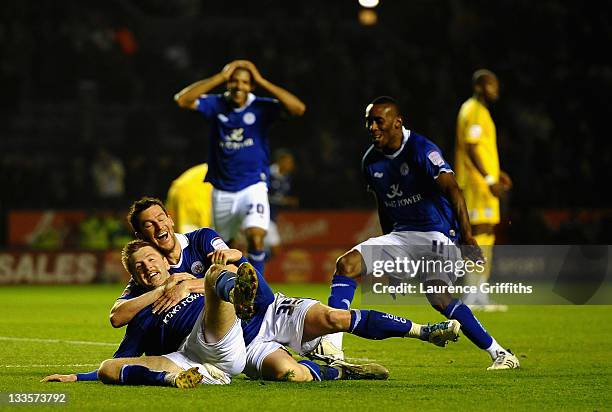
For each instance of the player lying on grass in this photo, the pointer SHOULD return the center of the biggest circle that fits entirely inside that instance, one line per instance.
(214, 364)
(423, 216)
(214, 349)
(188, 253)
(280, 362)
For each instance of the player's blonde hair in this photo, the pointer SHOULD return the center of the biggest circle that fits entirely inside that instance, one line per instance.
(129, 249)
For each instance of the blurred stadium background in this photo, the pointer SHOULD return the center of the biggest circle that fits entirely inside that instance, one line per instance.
(82, 80)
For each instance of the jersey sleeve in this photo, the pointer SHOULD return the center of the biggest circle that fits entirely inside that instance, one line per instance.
(365, 173)
(206, 240)
(208, 105)
(474, 127)
(431, 161)
(132, 290)
(133, 342)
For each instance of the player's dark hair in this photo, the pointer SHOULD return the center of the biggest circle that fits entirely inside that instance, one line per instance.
(481, 75)
(248, 71)
(389, 101)
(129, 249)
(140, 205)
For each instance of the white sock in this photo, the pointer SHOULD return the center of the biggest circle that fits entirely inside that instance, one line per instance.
(494, 349)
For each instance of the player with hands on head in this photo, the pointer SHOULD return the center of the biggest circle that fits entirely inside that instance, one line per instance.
(238, 155)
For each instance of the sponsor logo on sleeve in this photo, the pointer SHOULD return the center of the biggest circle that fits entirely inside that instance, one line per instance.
(218, 244)
(436, 158)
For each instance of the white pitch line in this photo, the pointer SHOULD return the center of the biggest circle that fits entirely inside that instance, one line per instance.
(72, 342)
(74, 365)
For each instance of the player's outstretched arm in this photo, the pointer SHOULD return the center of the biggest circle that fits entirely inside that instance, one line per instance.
(72, 377)
(56, 377)
(188, 97)
(293, 105)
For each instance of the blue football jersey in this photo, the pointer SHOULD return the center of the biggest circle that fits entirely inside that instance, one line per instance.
(405, 187)
(159, 334)
(238, 153)
(195, 246)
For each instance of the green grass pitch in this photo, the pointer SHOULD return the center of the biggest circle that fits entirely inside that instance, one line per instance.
(565, 351)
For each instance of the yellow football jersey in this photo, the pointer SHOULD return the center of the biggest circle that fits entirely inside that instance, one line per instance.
(475, 126)
(189, 200)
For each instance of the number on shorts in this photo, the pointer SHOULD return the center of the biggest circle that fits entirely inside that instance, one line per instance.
(287, 306)
(259, 208)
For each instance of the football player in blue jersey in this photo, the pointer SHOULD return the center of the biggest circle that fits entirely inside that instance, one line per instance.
(208, 336)
(238, 155)
(423, 217)
(274, 321)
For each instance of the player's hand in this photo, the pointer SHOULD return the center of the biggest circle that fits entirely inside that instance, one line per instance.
(470, 250)
(250, 66)
(497, 189)
(228, 69)
(223, 256)
(60, 378)
(177, 278)
(505, 180)
(171, 297)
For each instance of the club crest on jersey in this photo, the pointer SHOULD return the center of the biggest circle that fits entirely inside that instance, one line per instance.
(404, 169)
(197, 267)
(218, 244)
(249, 118)
(435, 158)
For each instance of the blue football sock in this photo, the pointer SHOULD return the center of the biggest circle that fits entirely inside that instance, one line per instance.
(470, 326)
(371, 324)
(225, 283)
(141, 375)
(321, 372)
(342, 292)
(88, 376)
(257, 258)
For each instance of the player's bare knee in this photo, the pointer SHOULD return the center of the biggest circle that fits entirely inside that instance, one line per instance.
(108, 372)
(349, 264)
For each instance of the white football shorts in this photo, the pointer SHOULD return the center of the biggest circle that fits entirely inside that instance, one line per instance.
(432, 255)
(228, 355)
(246, 208)
(283, 325)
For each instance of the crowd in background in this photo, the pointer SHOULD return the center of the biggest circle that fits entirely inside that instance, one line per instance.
(91, 82)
